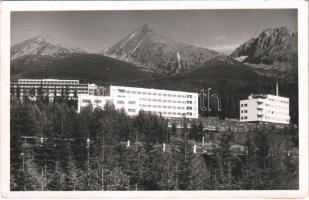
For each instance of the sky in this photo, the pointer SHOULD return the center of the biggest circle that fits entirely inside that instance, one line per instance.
(94, 31)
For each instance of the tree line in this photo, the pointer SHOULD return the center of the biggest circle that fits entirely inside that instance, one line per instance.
(55, 148)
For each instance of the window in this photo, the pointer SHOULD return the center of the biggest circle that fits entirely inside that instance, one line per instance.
(138, 92)
(189, 96)
(246, 111)
(86, 101)
(97, 101)
(120, 102)
(246, 117)
(164, 95)
(245, 105)
(189, 108)
(241, 105)
(131, 110)
(241, 118)
(189, 102)
(149, 93)
(131, 102)
(242, 111)
(121, 90)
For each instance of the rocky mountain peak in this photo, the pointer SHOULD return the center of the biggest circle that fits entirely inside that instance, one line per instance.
(41, 45)
(153, 52)
(273, 45)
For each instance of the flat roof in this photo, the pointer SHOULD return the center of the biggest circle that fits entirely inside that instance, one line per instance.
(153, 89)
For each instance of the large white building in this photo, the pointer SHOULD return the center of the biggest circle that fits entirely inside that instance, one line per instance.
(51, 88)
(168, 103)
(265, 108)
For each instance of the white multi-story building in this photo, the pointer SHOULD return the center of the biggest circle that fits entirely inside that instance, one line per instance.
(265, 108)
(51, 88)
(168, 103)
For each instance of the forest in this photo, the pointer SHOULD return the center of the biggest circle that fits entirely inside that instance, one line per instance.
(54, 148)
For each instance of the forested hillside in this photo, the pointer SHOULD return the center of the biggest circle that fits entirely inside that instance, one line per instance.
(66, 150)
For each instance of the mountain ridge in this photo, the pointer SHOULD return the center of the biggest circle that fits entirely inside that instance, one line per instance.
(155, 53)
(271, 46)
(41, 45)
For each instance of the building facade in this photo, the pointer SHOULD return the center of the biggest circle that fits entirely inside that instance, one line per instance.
(265, 108)
(168, 103)
(51, 88)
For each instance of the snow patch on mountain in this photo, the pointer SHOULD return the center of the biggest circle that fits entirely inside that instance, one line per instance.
(138, 44)
(241, 58)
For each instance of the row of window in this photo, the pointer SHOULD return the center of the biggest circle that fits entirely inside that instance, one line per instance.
(172, 113)
(96, 101)
(276, 119)
(275, 106)
(277, 113)
(50, 87)
(154, 93)
(166, 107)
(243, 105)
(164, 100)
(245, 117)
(278, 101)
(50, 82)
(244, 111)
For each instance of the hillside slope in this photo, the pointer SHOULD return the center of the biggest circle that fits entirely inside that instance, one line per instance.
(84, 67)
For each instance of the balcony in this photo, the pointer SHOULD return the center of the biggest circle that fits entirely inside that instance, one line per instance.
(260, 115)
(259, 102)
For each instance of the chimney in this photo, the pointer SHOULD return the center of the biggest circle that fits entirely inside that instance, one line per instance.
(277, 89)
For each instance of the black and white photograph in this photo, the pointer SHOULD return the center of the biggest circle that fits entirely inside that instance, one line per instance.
(154, 100)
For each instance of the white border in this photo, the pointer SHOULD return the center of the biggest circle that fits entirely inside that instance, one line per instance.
(302, 7)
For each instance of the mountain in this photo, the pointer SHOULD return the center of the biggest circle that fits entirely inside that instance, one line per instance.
(82, 66)
(155, 53)
(41, 45)
(274, 48)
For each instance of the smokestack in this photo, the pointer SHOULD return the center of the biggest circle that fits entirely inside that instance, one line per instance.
(277, 89)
